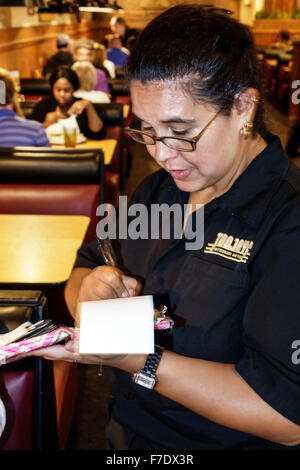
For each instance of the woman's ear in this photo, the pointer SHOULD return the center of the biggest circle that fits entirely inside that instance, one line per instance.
(245, 106)
(246, 103)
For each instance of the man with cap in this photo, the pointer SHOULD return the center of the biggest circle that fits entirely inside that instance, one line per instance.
(63, 56)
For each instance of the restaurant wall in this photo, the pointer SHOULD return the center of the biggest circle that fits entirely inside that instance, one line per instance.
(26, 41)
(266, 31)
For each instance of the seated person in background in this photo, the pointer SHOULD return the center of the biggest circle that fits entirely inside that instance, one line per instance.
(116, 52)
(128, 35)
(101, 62)
(86, 73)
(16, 131)
(63, 56)
(62, 104)
(84, 50)
(283, 41)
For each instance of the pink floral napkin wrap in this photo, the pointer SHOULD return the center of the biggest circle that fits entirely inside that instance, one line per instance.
(14, 351)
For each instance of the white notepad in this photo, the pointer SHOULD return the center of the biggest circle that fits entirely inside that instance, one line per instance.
(117, 326)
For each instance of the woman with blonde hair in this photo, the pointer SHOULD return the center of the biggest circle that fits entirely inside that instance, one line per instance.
(101, 62)
(86, 73)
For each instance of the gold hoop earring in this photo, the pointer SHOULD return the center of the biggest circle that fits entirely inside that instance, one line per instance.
(246, 130)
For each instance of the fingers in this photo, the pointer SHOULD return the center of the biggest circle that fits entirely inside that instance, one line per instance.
(133, 286)
(78, 107)
(106, 282)
(52, 353)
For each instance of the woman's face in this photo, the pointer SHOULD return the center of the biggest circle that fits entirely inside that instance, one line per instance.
(165, 109)
(63, 92)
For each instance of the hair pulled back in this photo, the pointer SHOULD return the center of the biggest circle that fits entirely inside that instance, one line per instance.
(211, 54)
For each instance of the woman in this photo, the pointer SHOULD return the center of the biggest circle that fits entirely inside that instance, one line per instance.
(86, 73)
(101, 62)
(228, 378)
(62, 104)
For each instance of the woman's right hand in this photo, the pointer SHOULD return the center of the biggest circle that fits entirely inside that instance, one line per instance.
(53, 116)
(106, 282)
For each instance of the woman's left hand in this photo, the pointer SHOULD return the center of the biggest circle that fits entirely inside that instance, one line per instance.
(78, 107)
(66, 352)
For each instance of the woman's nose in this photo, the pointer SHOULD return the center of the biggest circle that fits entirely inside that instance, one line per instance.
(163, 153)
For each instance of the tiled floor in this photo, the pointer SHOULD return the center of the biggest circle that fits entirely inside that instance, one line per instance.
(94, 392)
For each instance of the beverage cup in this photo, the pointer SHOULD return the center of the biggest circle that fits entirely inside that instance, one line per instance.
(70, 135)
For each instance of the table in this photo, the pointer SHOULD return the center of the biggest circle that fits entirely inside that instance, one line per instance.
(39, 250)
(107, 145)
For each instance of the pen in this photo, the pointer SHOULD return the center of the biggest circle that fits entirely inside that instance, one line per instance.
(108, 253)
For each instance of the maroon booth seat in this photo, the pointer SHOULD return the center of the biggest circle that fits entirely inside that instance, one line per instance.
(45, 181)
(26, 386)
(34, 89)
(51, 181)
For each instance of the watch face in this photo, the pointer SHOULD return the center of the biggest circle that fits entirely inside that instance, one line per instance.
(144, 380)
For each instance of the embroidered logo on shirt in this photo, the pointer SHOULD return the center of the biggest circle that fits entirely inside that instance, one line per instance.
(227, 246)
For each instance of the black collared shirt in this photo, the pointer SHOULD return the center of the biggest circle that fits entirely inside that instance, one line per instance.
(235, 300)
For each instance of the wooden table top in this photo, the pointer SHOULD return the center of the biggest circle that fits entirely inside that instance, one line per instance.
(107, 145)
(39, 249)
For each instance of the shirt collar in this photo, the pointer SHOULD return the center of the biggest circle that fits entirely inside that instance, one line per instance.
(6, 112)
(253, 190)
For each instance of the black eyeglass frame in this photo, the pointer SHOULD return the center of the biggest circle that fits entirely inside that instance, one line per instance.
(192, 140)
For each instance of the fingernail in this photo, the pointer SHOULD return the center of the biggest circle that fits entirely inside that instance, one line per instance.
(124, 294)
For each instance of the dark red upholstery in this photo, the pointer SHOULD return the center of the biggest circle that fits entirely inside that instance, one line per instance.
(51, 199)
(27, 386)
(17, 392)
(65, 380)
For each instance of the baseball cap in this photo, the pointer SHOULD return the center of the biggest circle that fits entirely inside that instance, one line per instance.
(62, 40)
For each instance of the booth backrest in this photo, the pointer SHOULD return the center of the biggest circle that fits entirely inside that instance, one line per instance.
(47, 165)
(35, 86)
(118, 86)
(46, 181)
(110, 113)
(27, 386)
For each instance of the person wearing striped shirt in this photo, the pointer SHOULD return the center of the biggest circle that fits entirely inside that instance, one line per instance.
(16, 131)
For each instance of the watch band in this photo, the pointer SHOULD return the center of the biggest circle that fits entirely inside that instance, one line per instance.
(152, 361)
(146, 376)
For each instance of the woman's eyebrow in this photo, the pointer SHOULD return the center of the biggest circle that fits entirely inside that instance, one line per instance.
(175, 120)
(178, 121)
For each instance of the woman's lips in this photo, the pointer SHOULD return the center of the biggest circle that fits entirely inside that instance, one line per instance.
(180, 174)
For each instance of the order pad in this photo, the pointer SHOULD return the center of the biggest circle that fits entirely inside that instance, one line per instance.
(117, 326)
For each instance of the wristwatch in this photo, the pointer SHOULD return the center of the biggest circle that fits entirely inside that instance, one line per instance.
(146, 376)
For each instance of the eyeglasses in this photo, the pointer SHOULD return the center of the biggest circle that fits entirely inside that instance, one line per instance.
(183, 144)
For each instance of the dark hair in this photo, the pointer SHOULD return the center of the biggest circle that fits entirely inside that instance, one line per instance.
(64, 72)
(210, 53)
